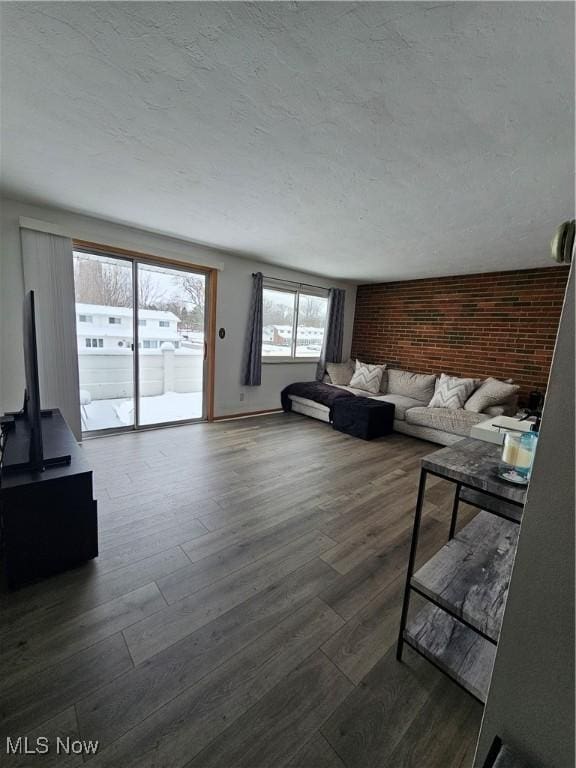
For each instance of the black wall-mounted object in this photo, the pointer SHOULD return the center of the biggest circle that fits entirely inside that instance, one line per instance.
(222, 332)
(535, 401)
(562, 245)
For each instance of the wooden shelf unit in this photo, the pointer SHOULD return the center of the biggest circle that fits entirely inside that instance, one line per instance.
(454, 648)
(466, 583)
(469, 576)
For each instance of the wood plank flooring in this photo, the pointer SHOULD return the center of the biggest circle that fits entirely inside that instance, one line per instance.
(244, 609)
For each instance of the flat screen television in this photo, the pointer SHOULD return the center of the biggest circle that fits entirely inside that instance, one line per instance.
(32, 411)
(24, 446)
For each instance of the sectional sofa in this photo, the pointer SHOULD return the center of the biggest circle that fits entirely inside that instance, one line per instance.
(411, 393)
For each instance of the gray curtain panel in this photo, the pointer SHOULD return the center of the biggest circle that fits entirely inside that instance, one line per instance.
(49, 272)
(252, 365)
(332, 345)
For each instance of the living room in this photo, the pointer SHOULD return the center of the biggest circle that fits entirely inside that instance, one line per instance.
(243, 236)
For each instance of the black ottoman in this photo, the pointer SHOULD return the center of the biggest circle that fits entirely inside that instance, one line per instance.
(363, 417)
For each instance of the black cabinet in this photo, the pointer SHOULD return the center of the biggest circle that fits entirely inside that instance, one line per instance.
(48, 519)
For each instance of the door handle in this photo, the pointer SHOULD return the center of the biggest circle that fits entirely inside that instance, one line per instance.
(205, 350)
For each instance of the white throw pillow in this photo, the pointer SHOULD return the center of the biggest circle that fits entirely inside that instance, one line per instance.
(452, 392)
(367, 377)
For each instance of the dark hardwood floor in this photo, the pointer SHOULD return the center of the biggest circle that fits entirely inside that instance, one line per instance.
(243, 611)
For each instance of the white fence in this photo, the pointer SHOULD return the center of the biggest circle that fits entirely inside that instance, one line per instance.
(108, 374)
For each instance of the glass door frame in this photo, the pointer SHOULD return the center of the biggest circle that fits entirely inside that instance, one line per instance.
(210, 287)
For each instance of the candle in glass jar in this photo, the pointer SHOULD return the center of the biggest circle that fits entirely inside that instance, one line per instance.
(523, 458)
(510, 450)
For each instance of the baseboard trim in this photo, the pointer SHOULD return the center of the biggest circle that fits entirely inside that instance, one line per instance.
(246, 414)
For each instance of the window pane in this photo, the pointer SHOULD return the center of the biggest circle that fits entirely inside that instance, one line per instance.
(278, 313)
(103, 286)
(171, 369)
(311, 323)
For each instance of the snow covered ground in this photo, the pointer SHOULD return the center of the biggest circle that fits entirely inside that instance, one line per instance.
(277, 350)
(171, 406)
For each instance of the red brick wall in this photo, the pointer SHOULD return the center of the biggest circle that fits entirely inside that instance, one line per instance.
(501, 324)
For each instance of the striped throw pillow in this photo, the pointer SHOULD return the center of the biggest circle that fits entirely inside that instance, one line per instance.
(367, 377)
(452, 392)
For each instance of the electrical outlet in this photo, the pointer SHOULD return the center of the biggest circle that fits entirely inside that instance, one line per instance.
(241, 397)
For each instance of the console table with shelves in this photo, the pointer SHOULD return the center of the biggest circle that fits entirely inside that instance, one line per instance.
(465, 584)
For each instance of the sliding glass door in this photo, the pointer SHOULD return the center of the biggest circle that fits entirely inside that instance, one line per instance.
(171, 344)
(141, 342)
(105, 331)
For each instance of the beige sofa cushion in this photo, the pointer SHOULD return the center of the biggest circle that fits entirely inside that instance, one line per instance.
(340, 373)
(491, 392)
(401, 404)
(420, 386)
(354, 391)
(506, 409)
(456, 421)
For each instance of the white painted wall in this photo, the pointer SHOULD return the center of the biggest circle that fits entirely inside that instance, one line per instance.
(234, 290)
(531, 699)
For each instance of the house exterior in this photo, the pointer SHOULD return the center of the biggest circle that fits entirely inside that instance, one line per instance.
(281, 335)
(110, 328)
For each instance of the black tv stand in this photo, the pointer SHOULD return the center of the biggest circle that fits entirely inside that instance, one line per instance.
(17, 429)
(48, 520)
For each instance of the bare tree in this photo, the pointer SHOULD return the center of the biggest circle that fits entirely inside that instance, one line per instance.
(150, 296)
(194, 288)
(275, 313)
(100, 283)
(192, 301)
(107, 284)
(311, 311)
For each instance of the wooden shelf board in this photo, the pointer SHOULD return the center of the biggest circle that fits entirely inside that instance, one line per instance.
(498, 506)
(470, 575)
(454, 648)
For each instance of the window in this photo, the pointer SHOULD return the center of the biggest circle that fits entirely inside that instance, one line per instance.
(293, 322)
(94, 343)
(311, 324)
(141, 323)
(115, 320)
(85, 318)
(150, 344)
(164, 323)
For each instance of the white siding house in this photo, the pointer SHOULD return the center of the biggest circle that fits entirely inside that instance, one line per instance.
(102, 327)
(282, 335)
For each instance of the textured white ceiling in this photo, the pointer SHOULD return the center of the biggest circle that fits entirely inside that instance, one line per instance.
(366, 141)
